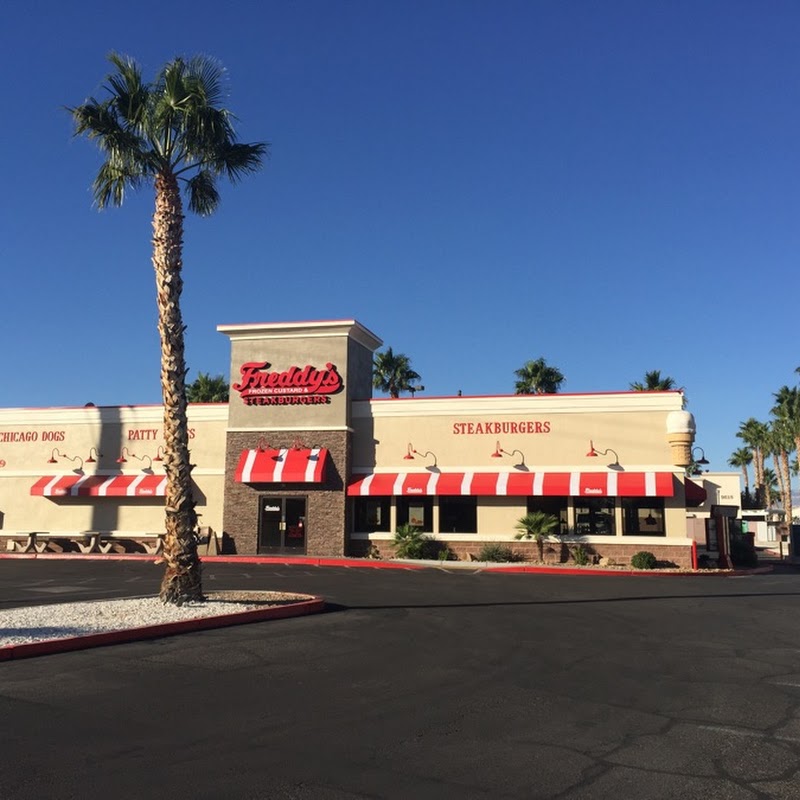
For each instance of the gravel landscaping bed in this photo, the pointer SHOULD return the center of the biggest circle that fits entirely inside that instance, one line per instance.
(64, 620)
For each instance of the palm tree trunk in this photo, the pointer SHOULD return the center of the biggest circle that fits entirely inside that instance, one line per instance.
(758, 468)
(786, 486)
(776, 460)
(181, 581)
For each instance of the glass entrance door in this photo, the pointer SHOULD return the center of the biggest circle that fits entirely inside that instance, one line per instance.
(282, 525)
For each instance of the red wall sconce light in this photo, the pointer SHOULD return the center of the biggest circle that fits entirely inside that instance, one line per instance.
(499, 453)
(56, 454)
(594, 453)
(411, 452)
(93, 456)
(122, 459)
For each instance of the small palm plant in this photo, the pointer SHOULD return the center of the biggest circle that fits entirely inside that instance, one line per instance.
(537, 525)
(409, 542)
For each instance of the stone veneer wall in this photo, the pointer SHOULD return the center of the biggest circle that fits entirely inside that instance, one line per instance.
(554, 552)
(325, 509)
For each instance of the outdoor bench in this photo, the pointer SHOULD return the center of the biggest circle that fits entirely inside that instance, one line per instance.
(86, 541)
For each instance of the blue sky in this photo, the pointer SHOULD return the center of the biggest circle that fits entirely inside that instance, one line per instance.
(613, 186)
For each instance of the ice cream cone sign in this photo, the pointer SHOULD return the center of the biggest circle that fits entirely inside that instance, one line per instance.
(680, 435)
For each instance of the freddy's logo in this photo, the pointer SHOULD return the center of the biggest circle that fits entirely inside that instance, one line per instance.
(294, 386)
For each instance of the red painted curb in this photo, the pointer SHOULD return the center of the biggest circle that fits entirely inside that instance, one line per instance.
(357, 563)
(367, 563)
(303, 608)
(307, 560)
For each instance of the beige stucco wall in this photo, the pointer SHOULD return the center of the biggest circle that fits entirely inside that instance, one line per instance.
(722, 489)
(29, 436)
(345, 344)
(556, 431)
(552, 432)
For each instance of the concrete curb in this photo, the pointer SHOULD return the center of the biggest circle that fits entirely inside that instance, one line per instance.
(17, 651)
(642, 573)
(415, 564)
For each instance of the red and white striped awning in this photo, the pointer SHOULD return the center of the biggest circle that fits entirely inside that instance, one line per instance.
(141, 485)
(287, 465)
(562, 484)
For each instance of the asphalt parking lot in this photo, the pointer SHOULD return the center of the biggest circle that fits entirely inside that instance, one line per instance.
(417, 684)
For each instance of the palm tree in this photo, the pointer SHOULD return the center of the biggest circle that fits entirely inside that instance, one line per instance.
(163, 133)
(208, 389)
(392, 373)
(786, 428)
(536, 525)
(653, 382)
(742, 458)
(754, 434)
(775, 446)
(537, 377)
(770, 486)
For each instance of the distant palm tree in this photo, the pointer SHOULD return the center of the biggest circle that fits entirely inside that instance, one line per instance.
(754, 434)
(742, 458)
(208, 389)
(392, 373)
(537, 525)
(653, 382)
(771, 490)
(161, 133)
(786, 436)
(538, 377)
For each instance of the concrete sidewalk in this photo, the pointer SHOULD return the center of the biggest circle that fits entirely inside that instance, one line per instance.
(400, 563)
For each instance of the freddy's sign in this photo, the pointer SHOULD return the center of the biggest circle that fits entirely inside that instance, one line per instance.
(292, 387)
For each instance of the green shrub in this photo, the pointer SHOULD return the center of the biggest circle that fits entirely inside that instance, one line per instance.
(496, 552)
(580, 555)
(644, 560)
(440, 550)
(411, 542)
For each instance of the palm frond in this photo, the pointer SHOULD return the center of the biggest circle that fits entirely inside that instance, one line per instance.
(204, 132)
(238, 160)
(203, 194)
(130, 96)
(112, 180)
(209, 79)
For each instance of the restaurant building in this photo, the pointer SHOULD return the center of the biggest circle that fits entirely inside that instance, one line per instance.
(303, 461)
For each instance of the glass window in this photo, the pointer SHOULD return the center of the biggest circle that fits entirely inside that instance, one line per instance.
(416, 511)
(458, 514)
(556, 506)
(372, 514)
(594, 516)
(642, 516)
